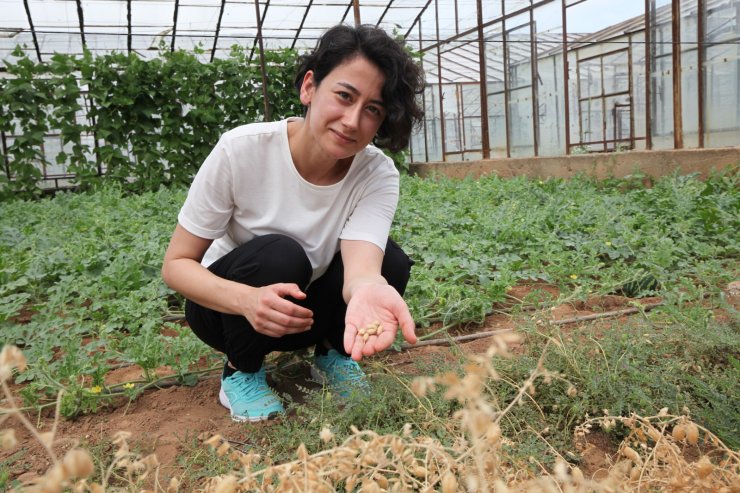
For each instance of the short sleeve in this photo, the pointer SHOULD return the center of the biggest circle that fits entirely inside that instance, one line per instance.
(372, 217)
(209, 205)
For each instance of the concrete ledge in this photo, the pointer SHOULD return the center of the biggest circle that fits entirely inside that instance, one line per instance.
(600, 166)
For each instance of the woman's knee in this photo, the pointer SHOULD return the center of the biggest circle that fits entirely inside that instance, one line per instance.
(270, 259)
(396, 266)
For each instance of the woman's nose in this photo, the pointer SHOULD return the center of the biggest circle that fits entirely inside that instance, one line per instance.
(351, 118)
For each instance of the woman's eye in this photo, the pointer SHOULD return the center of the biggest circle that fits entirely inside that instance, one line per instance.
(374, 110)
(344, 95)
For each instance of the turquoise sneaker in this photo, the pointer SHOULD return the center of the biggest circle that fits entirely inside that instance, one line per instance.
(340, 373)
(248, 397)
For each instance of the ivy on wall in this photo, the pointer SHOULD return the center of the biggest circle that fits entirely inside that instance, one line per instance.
(153, 122)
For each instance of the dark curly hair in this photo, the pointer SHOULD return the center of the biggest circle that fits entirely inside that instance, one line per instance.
(404, 79)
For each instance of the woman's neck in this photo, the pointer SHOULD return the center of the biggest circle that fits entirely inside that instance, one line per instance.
(314, 166)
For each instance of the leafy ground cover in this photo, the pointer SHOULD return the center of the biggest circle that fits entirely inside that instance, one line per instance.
(80, 294)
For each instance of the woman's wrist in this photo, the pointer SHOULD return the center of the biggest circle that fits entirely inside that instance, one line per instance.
(351, 287)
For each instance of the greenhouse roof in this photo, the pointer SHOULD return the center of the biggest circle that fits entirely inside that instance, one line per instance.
(44, 27)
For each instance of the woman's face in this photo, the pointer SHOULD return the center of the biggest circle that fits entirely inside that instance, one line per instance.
(346, 110)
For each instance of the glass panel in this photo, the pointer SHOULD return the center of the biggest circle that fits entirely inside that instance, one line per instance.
(471, 110)
(496, 123)
(432, 123)
(550, 103)
(592, 121)
(722, 91)
(492, 9)
(595, 15)
(638, 88)
(661, 80)
(617, 120)
(589, 76)
(616, 72)
(453, 131)
(520, 122)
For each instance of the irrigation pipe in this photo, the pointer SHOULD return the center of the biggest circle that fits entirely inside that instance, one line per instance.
(584, 318)
(615, 313)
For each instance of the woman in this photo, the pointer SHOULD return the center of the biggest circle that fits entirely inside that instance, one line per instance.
(282, 242)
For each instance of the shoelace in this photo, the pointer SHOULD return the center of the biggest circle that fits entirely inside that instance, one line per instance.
(253, 384)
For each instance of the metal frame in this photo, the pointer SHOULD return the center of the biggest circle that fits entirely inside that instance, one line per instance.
(457, 58)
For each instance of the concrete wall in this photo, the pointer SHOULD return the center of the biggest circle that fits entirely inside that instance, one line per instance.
(612, 165)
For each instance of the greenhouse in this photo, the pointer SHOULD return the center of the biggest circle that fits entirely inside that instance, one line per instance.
(450, 246)
(647, 75)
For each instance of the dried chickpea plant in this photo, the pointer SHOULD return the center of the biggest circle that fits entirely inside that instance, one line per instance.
(73, 471)
(651, 458)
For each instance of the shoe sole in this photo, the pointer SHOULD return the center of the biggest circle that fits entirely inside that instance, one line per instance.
(242, 419)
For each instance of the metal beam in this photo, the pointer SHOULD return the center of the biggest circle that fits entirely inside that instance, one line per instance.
(262, 58)
(300, 27)
(81, 20)
(676, 54)
(648, 74)
(485, 141)
(417, 20)
(701, 56)
(174, 25)
(439, 87)
(218, 29)
(346, 11)
(382, 16)
(260, 20)
(356, 8)
(129, 38)
(33, 30)
(566, 76)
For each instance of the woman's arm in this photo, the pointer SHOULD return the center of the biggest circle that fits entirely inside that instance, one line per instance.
(370, 298)
(265, 307)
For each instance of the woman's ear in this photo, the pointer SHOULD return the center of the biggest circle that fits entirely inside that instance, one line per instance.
(307, 88)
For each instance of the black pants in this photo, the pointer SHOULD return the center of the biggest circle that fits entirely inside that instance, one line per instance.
(274, 259)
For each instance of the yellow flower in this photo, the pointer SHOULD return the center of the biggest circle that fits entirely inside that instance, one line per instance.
(608, 243)
(128, 385)
(573, 276)
(96, 389)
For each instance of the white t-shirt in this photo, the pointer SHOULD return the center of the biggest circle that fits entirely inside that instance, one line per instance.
(248, 186)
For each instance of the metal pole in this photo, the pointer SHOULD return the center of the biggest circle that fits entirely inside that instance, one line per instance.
(566, 84)
(81, 19)
(356, 7)
(648, 75)
(5, 154)
(677, 99)
(424, 106)
(174, 25)
(439, 84)
(262, 61)
(483, 71)
(535, 78)
(218, 29)
(630, 86)
(507, 114)
(128, 26)
(701, 56)
(33, 30)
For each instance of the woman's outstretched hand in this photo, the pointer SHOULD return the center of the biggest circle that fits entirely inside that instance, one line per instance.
(373, 303)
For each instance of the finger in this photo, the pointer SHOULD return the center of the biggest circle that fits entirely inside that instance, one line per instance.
(289, 308)
(357, 348)
(350, 335)
(290, 289)
(370, 346)
(408, 327)
(384, 340)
